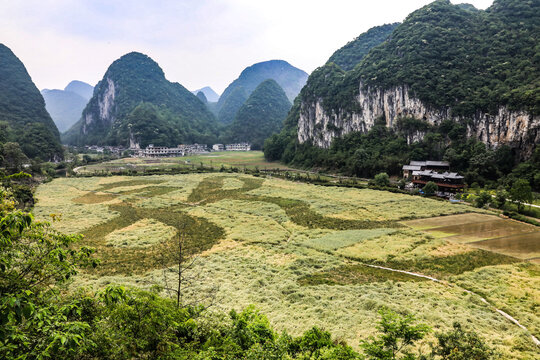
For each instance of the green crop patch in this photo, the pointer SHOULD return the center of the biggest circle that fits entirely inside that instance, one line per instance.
(355, 274)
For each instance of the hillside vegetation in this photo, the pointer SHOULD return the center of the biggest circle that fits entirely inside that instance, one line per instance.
(290, 79)
(450, 57)
(23, 117)
(260, 116)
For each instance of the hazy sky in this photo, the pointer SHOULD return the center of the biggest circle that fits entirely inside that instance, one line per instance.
(196, 42)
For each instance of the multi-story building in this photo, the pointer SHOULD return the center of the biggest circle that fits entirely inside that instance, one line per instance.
(238, 147)
(422, 172)
(162, 151)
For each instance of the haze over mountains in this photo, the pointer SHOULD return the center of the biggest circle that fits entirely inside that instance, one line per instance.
(66, 106)
(209, 93)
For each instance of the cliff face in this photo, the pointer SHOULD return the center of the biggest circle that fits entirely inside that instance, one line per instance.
(105, 103)
(517, 129)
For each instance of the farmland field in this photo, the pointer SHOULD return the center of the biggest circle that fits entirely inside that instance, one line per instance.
(227, 159)
(301, 252)
(486, 232)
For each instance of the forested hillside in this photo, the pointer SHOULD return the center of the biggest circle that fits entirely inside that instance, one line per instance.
(135, 102)
(23, 118)
(451, 82)
(290, 79)
(351, 54)
(260, 116)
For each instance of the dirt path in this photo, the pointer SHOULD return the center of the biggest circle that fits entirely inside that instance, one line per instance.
(502, 313)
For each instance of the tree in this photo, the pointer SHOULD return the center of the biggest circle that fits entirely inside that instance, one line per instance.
(382, 180)
(35, 260)
(500, 199)
(521, 193)
(482, 199)
(430, 188)
(458, 344)
(179, 258)
(14, 158)
(397, 334)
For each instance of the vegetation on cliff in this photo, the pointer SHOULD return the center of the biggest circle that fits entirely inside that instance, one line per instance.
(450, 57)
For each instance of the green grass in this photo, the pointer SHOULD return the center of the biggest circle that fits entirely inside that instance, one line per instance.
(355, 274)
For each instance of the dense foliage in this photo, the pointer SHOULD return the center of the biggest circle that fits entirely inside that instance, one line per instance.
(261, 115)
(230, 105)
(466, 60)
(22, 111)
(65, 107)
(287, 76)
(451, 56)
(354, 51)
(138, 79)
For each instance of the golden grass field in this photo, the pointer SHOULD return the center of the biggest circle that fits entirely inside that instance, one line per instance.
(299, 251)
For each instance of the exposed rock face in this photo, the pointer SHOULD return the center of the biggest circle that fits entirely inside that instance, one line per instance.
(105, 105)
(517, 129)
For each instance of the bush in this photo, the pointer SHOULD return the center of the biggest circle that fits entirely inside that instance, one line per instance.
(382, 180)
(430, 188)
(482, 200)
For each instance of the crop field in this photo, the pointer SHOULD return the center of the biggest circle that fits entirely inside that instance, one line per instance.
(227, 159)
(486, 232)
(303, 254)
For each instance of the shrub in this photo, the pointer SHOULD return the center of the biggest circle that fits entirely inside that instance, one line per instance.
(430, 188)
(482, 200)
(382, 180)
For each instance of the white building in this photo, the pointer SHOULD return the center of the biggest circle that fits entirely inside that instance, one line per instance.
(218, 147)
(238, 147)
(162, 151)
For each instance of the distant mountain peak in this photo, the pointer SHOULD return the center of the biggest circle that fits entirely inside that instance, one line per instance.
(81, 88)
(209, 93)
(288, 77)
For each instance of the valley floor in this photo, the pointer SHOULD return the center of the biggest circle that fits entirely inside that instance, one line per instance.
(307, 255)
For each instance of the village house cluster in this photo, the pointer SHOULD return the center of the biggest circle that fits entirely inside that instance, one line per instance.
(422, 172)
(185, 150)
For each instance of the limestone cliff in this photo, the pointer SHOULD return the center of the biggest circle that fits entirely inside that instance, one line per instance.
(518, 129)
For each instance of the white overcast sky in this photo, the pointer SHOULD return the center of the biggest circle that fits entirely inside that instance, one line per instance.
(196, 42)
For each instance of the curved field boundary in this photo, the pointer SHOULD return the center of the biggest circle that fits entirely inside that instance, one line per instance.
(504, 314)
